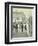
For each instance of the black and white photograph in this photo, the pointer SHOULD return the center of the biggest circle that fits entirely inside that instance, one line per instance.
(21, 22)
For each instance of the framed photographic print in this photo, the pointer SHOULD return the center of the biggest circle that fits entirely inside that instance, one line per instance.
(20, 22)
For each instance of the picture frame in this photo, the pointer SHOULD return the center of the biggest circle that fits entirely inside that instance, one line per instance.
(20, 22)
